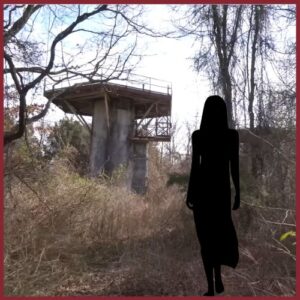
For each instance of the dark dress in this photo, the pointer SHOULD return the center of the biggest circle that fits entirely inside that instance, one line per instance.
(209, 191)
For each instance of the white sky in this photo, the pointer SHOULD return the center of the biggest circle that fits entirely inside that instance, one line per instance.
(168, 59)
(189, 90)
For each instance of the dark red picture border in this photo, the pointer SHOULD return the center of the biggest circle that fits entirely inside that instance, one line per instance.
(158, 2)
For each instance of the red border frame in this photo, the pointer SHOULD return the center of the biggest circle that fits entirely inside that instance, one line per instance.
(297, 147)
(162, 2)
(1, 165)
(155, 2)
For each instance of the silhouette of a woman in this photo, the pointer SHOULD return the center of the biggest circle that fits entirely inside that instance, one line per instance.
(215, 155)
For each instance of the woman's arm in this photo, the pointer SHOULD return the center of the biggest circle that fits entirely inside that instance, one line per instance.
(234, 167)
(194, 171)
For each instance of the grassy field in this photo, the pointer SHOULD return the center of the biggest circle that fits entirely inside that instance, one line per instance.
(69, 235)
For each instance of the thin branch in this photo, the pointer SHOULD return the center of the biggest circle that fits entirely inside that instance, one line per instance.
(39, 70)
(267, 207)
(44, 111)
(10, 13)
(62, 35)
(270, 144)
(21, 22)
(234, 34)
(142, 29)
(276, 223)
(33, 191)
(12, 71)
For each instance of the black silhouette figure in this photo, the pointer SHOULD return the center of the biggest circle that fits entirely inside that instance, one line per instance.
(215, 155)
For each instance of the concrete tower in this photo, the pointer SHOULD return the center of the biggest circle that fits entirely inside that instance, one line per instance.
(125, 120)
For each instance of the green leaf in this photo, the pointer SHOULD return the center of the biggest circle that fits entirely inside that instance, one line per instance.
(287, 234)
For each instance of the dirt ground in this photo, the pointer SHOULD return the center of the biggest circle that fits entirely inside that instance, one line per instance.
(171, 266)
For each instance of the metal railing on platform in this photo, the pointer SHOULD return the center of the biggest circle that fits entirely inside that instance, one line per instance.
(150, 84)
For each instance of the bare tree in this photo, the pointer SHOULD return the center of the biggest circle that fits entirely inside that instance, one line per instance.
(61, 43)
(215, 28)
(238, 47)
(248, 53)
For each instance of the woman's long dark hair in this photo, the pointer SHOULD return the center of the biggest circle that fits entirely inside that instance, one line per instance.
(214, 117)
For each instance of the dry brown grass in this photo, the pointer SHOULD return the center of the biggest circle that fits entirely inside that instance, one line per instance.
(68, 235)
(52, 222)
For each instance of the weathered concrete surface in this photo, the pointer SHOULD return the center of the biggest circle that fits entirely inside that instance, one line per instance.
(111, 147)
(98, 148)
(121, 128)
(140, 167)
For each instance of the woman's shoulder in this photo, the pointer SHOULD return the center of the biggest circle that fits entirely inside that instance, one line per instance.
(195, 134)
(233, 134)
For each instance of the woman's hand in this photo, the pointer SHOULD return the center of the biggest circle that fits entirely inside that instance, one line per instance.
(237, 202)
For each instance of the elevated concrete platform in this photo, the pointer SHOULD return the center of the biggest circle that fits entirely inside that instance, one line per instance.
(125, 120)
(83, 96)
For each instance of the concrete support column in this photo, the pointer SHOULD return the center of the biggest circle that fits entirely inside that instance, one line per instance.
(121, 126)
(98, 150)
(112, 148)
(140, 167)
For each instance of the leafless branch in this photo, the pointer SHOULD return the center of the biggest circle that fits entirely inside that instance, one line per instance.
(20, 23)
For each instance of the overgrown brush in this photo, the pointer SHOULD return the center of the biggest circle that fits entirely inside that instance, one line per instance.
(51, 222)
(71, 235)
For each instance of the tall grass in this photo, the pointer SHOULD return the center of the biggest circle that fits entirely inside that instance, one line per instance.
(72, 235)
(55, 219)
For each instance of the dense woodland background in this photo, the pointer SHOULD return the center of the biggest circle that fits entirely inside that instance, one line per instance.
(69, 234)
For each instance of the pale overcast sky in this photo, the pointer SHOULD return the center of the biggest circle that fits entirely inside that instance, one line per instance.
(168, 59)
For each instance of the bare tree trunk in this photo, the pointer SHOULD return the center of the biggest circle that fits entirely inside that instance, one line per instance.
(253, 61)
(256, 28)
(225, 51)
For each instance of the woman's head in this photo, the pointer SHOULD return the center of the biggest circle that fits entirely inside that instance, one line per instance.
(214, 115)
